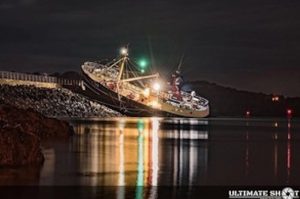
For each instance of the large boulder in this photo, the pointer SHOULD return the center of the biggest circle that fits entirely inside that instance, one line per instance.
(19, 148)
(31, 121)
(21, 132)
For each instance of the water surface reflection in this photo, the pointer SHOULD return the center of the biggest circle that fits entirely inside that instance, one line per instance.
(154, 151)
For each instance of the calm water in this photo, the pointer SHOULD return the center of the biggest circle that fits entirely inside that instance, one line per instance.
(152, 151)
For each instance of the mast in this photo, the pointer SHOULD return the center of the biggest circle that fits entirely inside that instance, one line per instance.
(180, 62)
(124, 62)
(124, 53)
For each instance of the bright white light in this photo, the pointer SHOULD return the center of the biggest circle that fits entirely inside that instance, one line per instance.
(155, 104)
(156, 86)
(146, 92)
(155, 154)
(124, 51)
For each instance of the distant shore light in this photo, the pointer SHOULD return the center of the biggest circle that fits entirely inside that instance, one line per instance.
(275, 98)
(248, 113)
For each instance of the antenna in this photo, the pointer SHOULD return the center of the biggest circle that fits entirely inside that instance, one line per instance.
(180, 62)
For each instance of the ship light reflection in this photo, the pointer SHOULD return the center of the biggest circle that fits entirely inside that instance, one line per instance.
(194, 121)
(121, 125)
(140, 167)
(121, 168)
(154, 152)
(187, 134)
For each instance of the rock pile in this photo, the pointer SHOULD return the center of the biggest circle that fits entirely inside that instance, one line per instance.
(58, 102)
(34, 123)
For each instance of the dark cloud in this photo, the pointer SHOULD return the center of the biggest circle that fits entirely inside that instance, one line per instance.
(235, 43)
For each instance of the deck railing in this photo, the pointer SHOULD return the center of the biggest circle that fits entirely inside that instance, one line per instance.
(38, 78)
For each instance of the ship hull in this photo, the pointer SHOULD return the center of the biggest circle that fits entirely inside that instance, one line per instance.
(105, 96)
(126, 106)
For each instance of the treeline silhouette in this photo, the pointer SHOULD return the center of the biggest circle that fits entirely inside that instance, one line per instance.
(230, 102)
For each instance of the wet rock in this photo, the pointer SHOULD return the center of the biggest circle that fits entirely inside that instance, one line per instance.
(19, 148)
(32, 122)
(21, 131)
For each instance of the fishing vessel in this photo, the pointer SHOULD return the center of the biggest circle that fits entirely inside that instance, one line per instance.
(120, 85)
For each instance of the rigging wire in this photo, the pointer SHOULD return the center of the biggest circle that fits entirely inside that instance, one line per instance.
(152, 65)
(135, 73)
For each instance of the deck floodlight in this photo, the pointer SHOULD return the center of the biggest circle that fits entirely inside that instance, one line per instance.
(124, 51)
(156, 86)
(146, 92)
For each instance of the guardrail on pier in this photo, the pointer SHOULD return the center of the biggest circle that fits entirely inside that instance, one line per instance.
(38, 78)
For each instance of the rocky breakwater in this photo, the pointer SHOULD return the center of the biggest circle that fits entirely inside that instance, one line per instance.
(21, 131)
(56, 102)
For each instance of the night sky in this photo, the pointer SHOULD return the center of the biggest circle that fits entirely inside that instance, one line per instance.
(247, 44)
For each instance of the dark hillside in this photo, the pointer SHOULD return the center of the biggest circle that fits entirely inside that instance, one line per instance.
(225, 101)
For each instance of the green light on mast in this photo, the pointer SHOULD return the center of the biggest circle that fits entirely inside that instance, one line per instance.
(143, 63)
